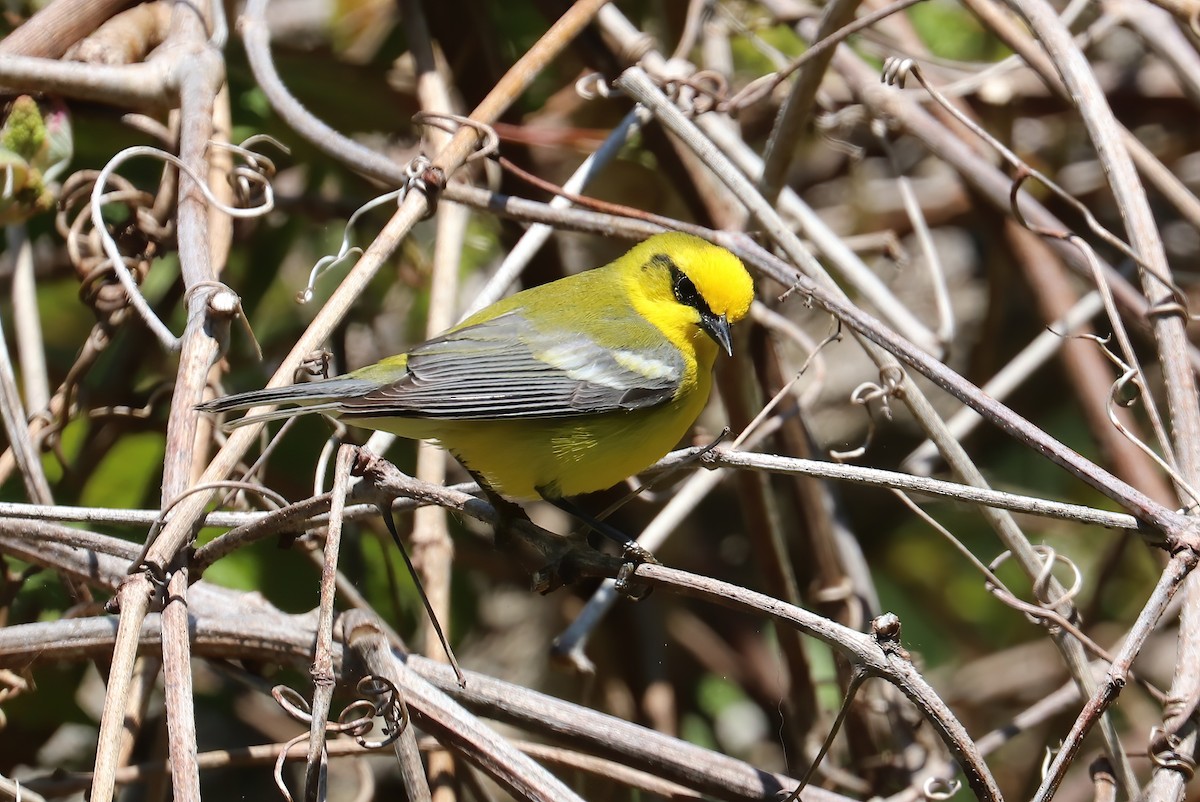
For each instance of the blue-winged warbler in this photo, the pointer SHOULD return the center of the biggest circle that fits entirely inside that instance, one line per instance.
(558, 390)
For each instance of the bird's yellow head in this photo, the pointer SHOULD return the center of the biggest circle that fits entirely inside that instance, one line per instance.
(685, 284)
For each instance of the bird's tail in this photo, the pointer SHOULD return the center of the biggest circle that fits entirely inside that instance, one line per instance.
(325, 395)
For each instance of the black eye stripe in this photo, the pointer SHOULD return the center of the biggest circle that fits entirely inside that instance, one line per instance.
(660, 260)
(685, 290)
(687, 294)
(682, 287)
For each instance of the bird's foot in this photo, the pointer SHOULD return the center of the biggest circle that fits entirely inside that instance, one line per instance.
(627, 583)
(636, 553)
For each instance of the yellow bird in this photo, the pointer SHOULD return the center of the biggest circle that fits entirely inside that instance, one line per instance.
(562, 389)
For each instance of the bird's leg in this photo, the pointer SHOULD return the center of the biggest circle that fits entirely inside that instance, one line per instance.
(506, 511)
(631, 550)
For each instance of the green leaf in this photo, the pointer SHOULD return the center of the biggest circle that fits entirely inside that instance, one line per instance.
(128, 475)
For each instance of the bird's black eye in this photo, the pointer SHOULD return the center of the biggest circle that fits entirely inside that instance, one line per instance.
(685, 291)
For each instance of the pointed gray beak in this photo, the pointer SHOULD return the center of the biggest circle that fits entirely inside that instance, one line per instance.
(717, 327)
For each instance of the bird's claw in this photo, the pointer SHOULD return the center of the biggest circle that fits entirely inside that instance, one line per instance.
(627, 583)
(634, 552)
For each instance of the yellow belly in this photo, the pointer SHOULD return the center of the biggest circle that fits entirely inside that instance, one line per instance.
(525, 459)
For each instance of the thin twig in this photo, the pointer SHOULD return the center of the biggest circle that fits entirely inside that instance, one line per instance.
(322, 667)
(1169, 583)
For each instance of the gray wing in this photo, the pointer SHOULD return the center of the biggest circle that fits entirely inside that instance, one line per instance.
(505, 369)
